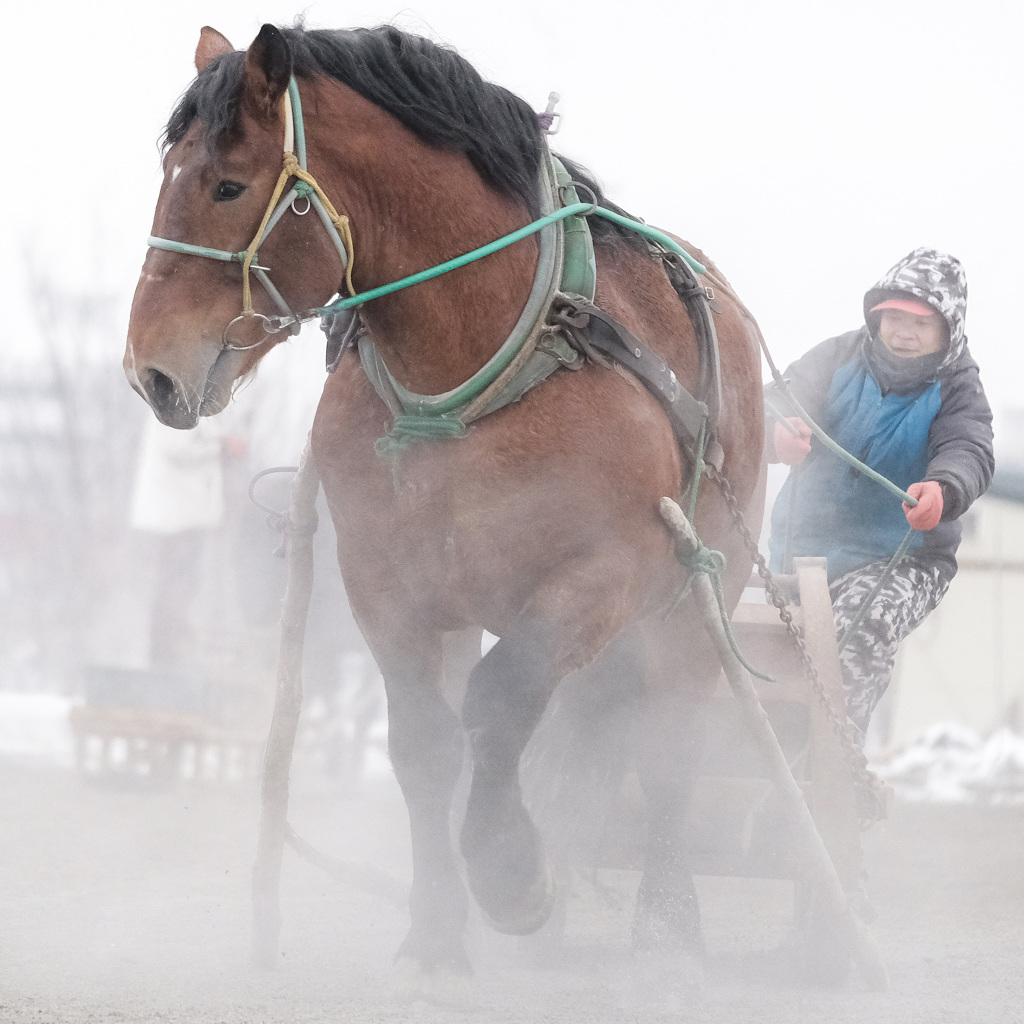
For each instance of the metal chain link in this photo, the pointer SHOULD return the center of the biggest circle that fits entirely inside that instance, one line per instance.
(868, 787)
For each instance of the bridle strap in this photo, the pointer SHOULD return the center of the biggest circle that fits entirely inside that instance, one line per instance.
(293, 168)
(337, 225)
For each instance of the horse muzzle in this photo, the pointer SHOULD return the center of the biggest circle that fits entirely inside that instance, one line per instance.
(178, 403)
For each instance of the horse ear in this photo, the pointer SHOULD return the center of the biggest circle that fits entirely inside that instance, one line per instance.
(211, 44)
(268, 69)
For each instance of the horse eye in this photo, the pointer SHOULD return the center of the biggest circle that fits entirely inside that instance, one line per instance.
(226, 190)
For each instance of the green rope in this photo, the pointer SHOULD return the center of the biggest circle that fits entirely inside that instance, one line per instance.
(837, 449)
(303, 189)
(575, 209)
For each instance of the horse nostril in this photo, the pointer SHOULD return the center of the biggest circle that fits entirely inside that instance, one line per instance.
(160, 389)
(169, 399)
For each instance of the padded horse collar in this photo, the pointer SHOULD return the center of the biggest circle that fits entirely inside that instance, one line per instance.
(567, 329)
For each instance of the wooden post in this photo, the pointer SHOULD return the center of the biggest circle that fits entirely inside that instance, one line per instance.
(266, 872)
(833, 798)
(862, 945)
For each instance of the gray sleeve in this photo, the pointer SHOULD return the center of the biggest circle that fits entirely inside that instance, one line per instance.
(811, 375)
(960, 444)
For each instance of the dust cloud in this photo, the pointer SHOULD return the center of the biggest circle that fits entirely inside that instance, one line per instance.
(126, 867)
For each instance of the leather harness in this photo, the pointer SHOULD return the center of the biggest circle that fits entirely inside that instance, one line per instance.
(594, 334)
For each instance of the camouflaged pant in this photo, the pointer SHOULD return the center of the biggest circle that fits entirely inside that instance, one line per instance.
(900, 607)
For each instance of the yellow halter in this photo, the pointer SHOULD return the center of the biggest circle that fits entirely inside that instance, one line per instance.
(293, 169)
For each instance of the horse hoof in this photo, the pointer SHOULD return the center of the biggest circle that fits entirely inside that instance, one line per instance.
(531, 912)
(823, 956)
(442, 987)
(666, 984)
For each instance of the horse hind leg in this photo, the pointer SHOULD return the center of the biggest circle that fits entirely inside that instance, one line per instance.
(667, 938)
(582, 607)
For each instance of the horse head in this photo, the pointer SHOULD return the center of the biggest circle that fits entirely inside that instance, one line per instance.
(189, 338)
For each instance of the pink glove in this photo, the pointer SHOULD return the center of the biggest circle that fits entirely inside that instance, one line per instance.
(792, 449)
(925, 515)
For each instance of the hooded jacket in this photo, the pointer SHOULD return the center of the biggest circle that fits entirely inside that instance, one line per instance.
(909, 419)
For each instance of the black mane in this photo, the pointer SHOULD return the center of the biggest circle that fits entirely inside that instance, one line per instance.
(431, 90)
(213, 99)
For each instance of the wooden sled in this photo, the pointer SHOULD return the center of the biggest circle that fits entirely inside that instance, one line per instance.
(772, 803)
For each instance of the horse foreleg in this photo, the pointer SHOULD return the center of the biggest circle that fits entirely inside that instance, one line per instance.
(573, 771)
(426, 746)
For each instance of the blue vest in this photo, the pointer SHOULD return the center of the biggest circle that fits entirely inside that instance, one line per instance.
(827, 507)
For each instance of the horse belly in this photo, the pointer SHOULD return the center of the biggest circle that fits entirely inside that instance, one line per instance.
(478, 525)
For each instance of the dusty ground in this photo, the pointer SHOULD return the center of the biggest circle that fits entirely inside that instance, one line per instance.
(133, 906)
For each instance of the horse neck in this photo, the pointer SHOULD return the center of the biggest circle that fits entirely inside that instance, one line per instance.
(413, 207)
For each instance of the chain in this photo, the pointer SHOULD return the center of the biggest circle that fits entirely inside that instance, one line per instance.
(870, 802)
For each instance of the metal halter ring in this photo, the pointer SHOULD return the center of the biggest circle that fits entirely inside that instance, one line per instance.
(301, 213)
(578, 185)
(271, 325)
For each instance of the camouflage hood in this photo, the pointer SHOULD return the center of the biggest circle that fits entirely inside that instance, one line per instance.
(931, 277)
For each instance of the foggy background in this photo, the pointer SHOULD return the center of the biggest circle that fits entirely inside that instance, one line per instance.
(805, 147)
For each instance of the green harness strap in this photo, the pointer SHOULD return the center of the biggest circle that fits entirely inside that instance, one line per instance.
(579, 277)
(579, 269)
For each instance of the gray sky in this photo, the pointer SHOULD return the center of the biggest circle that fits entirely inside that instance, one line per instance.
(805, 146)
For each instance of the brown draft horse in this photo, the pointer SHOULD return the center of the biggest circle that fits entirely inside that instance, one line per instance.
(540, 524)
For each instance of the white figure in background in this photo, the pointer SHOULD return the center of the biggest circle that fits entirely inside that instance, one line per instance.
(178, 498)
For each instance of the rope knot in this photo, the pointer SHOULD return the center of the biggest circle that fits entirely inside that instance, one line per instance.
(282, 522)
(693, 555)
(703, 559)
(408, 429)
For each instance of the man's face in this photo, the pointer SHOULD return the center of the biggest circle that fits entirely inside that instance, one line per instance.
(908, 335)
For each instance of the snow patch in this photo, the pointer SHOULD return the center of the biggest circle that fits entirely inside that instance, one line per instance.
(949, 763)
(37, 726)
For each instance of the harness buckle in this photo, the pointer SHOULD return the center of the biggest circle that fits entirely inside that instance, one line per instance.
(551, 119)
